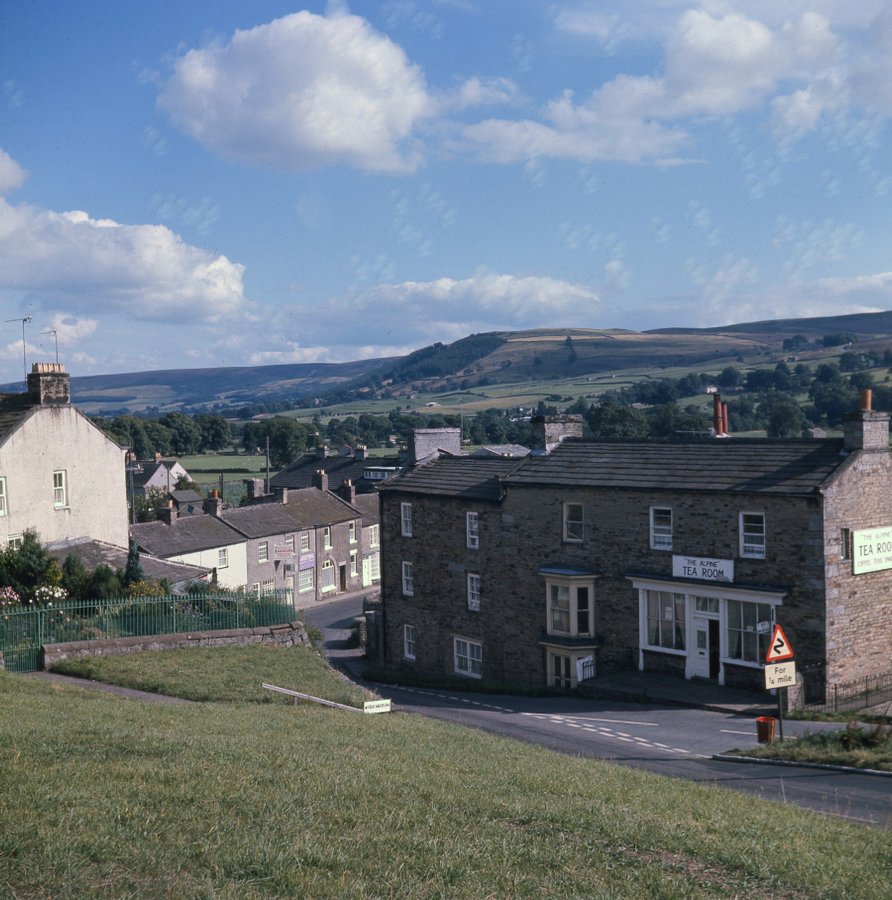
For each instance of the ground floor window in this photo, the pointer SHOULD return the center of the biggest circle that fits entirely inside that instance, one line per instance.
(327, 578)
(468, 657)
(375, 566)
(560, 670)
(665, 619)
(709, 627)
(305, 580)
(749, 630)
(409, 641)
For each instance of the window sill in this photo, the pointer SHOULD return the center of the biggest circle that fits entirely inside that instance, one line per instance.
(671, 651)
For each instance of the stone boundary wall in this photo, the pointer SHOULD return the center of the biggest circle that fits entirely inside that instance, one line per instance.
(290, 634)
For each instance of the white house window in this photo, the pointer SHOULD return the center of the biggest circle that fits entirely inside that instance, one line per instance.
(304, 541)
(472, 530)
(752, 535)
(353, 562)
(374, 532)
(327, 579)
(468, 657)
(749, 630)
(263, 551)
(406, 519)
(3, 507)
(326, 534)
(408, 586)
(570, 609)
(660, 528)
(304, 580)
(268, 586)
(573, 525)
(409, 641)
(665, 619)
(375, 567)
(60, 489)
(223, 558)
(15, 541)
(351, 531)
(289, 545)
(473, 591)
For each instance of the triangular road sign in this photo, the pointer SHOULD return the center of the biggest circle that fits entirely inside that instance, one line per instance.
(778, 647)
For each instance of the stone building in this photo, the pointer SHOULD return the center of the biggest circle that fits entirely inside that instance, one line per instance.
(674, 557)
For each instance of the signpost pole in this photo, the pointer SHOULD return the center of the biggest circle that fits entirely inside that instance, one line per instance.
(779, 649)
(780, 713)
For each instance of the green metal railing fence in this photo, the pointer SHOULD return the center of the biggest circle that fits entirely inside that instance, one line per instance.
(24, 632)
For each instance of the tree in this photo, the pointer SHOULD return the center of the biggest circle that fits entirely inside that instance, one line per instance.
(27, 567)
(185, 435)
(133, 571)
(785, 418)
(730, 377)
(614, 420)
(215, 432)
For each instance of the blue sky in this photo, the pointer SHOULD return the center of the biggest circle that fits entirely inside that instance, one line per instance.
(188, 184)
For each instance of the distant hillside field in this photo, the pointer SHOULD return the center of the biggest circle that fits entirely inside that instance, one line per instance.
(478, 362)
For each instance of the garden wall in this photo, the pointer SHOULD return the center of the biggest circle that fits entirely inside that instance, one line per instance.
(288, 635)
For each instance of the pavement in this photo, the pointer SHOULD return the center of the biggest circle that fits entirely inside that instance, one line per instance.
(655, 687)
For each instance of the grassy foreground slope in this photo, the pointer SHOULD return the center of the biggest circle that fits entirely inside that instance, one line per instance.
(101, 796)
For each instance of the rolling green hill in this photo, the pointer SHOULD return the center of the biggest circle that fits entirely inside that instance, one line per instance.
(512, 358)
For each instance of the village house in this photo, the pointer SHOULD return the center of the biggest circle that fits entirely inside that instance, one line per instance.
(669, 557)
(60, 475)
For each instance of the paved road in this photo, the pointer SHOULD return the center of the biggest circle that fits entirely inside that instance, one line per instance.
(671, 741)
(668, 740)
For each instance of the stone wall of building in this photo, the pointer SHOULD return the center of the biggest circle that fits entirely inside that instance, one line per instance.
(859, 607)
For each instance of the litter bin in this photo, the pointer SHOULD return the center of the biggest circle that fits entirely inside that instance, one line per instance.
(765, 726)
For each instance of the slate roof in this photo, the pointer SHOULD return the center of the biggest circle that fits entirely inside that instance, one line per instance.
(97, 553)
(13, 410)
(148, 469)
(370, 507)
(455, 476)
(314, 507)
(516, 450)
(307, 508)
(186, 535)
(299, 474)
(795, 468)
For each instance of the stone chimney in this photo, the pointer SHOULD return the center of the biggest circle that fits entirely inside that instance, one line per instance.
(167, 514)
(360, 451)
(49, 384)
(866, 429)
(213, 505)
(320, 479)
(255, 488)
(549, 431)
(321, 451)
(347, 490)
(281, 495)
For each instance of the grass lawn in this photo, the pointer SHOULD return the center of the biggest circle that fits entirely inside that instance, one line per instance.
(229, 675)
(107, 797)
(860, 746)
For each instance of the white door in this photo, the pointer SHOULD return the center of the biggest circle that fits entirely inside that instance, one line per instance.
(700, 667)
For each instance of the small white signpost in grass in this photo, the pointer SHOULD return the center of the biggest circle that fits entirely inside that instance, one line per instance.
(370, 706)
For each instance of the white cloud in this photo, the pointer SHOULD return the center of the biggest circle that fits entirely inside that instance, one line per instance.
(85, 264)
(448, 309)
(300, 92)
(12, 175)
